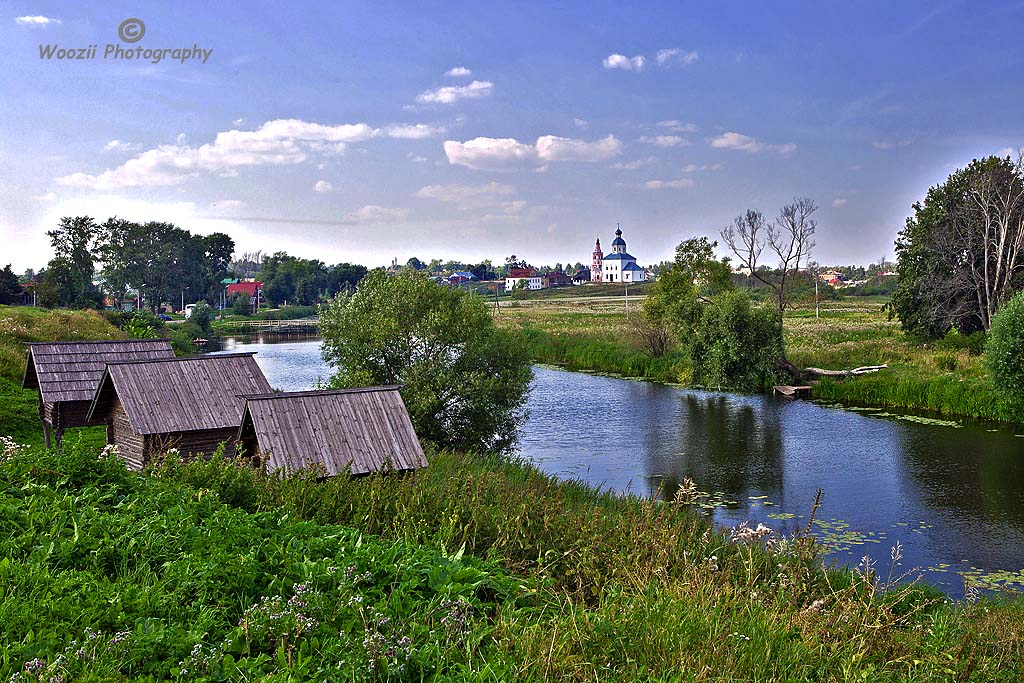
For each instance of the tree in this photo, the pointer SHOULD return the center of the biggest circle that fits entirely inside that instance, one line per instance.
(736, 345)
(790, 237)
(9, 287)
(465, 380)
(241, 304)
(674, 299)
(1004, 350)
(202, 317)
(68, 281)
(959, 257)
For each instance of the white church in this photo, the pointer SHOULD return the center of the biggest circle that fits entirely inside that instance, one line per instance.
(618, 266)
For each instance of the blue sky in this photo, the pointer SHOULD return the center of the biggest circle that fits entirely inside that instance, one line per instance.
(340, 131)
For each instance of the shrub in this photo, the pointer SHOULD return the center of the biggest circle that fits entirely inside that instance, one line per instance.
(735, 345)
(201, 317)
(973, 343)
(241, 304)
(1004, 352)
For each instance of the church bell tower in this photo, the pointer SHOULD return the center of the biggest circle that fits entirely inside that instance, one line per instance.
(595, 263)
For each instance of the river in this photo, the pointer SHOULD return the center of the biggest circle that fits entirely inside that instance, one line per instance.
(951, 493)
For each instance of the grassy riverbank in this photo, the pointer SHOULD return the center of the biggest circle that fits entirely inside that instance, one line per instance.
(476, 569)
(947, 377)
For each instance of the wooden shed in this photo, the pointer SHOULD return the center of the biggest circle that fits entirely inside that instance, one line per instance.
(192, 404)
(67, 374)
(354, 431)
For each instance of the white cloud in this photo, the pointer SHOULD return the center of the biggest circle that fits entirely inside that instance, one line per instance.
(278, 142)
(228, 204)
(182, 138)
(677, 184)
(376, 214)
(581, 123)
(676, 57)
(693, 168)
(552, 148)
(507, 153)
(839, 202)
(458, 72)
(617, 61)
(415, 131)
(489, 153)
(416, 158)
(1011, 152)
(633, 165)
(745, 143)
(678, 126)
(48, 197)
(239, 122)
(663, 140)
(464, 193)
(35, 21)
(891, 144)
(450, 94)
(120, 146)
(322, 186)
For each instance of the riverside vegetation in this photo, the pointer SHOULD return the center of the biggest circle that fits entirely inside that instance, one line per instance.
(477, 568)
(946, 376)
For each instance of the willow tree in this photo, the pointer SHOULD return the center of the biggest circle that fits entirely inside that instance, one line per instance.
(464, 380)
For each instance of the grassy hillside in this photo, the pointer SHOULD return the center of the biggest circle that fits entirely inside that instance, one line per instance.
(20, 325)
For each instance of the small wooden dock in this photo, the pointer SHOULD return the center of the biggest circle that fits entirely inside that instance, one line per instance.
(792, 392)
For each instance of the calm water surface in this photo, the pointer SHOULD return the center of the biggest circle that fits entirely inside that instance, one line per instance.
(952, 496)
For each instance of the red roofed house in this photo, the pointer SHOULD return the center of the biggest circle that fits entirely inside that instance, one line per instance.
(244, 288)
(527, 276)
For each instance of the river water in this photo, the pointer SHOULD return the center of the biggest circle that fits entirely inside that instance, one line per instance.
(951, 494)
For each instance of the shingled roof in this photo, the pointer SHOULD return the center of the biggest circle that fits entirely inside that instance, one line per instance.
(71, 371)
(181, 394)
(351, 430)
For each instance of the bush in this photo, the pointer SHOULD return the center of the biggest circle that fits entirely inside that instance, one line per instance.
(1004, 352)
(241, 304)
(973, 343)
(201, 317)
(735, 345)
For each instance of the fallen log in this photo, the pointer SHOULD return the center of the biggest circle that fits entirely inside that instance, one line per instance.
(818, 372)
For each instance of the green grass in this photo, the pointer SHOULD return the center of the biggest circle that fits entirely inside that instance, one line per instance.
(492, 571)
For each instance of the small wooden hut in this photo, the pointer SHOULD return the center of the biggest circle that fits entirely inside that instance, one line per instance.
(354, 431)
(66, 375)
(192, 404)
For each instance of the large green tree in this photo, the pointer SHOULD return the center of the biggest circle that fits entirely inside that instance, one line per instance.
(675, 298)
(961, 255)
(9, 287)
(68, 282)
(465, 380)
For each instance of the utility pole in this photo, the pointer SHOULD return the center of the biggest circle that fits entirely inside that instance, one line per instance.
(627, 297)
(816, 278)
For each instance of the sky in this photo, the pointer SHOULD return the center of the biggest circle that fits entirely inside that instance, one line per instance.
(362, 132)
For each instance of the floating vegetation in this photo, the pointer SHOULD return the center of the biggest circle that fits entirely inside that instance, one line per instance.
(836, 535)
(929, 421)
(781, 515)
(999, 579)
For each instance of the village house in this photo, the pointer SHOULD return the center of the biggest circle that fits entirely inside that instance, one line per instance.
(460, 276)
(527, 276)
(348, 431)
(192, 404)
(66, 374)
(556, 279)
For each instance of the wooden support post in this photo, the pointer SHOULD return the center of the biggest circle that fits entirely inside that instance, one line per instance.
(46, 434)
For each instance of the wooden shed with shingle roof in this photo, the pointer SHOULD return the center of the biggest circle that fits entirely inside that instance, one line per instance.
(66, 375)
(353, 431)
(192, 404)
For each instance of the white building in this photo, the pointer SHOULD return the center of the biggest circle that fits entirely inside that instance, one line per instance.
(619, 266)
(528, 276)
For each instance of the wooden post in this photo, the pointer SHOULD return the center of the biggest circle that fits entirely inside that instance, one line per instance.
(46, 434)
